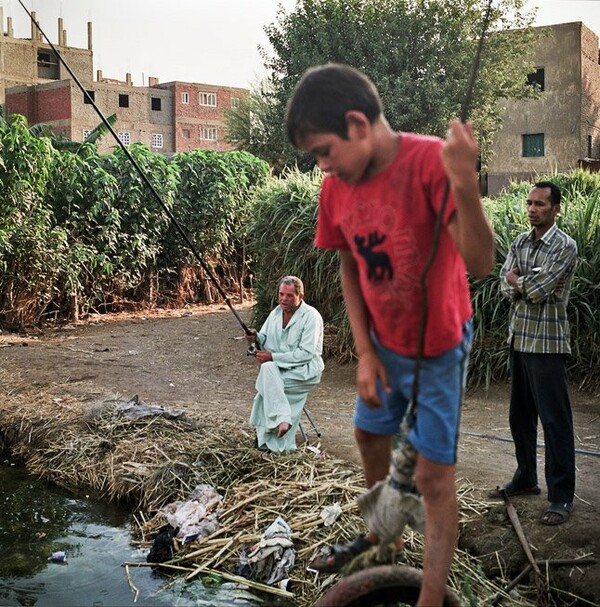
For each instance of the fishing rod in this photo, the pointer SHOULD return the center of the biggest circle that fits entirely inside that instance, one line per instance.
(89, 99)
(424, 312)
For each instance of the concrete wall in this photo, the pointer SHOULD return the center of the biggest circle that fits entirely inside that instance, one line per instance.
(19, 61)
(590, 70)
(558, 113)
(139, 119)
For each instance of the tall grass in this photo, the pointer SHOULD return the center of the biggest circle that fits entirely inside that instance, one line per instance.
(281, 236)
(81, 231)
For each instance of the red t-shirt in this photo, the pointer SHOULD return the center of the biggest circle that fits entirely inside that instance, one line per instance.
(387, 222)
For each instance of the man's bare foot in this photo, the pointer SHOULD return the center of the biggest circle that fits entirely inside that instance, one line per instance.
(282, 429)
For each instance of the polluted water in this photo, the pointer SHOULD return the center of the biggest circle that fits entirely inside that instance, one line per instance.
(58, 549)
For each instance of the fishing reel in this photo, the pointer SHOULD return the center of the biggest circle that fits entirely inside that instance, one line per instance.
(254, 346)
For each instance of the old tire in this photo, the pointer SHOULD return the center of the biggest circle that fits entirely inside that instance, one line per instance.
(378, 586)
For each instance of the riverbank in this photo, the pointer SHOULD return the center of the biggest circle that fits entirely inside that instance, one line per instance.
(195, 361)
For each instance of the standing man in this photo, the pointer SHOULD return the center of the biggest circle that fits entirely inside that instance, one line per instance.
(289, 348)
(536, 277)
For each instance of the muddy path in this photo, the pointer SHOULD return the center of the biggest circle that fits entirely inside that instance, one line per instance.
(195, 359)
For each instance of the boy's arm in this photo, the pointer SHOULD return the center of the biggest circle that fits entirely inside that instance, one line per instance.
(469, 226)
(370, 367)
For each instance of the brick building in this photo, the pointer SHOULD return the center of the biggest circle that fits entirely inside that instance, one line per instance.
(557, 132)
(167, 117)
(560, 130)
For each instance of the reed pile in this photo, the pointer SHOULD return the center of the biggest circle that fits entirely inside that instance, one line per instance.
(152, 462)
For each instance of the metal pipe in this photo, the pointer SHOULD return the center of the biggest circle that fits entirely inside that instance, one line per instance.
(539, 445)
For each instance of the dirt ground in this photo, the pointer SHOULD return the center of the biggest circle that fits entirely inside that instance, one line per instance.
(196, 359)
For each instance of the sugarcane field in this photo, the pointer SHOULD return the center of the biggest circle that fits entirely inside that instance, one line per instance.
(329, 337)
(61, 390)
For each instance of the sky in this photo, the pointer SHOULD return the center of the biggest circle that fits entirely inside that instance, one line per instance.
(204, 41)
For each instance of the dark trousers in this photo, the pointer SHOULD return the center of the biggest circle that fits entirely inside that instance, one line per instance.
(540, 389)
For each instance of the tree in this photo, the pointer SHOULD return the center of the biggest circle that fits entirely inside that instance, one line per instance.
(63, 143)
(257, 125)
(418, 53)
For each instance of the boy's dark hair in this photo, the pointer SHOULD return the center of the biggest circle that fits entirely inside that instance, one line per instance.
(322, 97)
(555, 193)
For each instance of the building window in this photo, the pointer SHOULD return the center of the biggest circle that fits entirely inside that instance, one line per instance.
(48, 66)
(86, 133)
(123, 100)
(536, 79)
(157, 140)
(124, 138)
(208, 99)
(186, 133)
(590, 147)
(91, 95)
(208, 133)
(235, 103)
(533, 145)
(156, 103)
(185, 98)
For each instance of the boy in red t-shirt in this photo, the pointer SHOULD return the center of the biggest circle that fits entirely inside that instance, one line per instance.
(378, 206)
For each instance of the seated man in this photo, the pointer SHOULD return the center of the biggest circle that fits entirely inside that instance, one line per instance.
(288, 350)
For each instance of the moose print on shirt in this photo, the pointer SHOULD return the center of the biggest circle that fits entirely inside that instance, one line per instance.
(378, 262)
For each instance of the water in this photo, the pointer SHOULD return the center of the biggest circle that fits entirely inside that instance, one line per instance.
(37, 519)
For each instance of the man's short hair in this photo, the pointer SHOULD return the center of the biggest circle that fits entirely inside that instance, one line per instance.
(555, 193)
(323, 96)
(295, 282)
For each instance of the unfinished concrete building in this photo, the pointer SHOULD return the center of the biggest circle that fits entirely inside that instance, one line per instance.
(560, 130)
(167, 117)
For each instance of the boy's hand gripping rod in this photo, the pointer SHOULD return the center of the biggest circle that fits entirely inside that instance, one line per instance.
(145, 179)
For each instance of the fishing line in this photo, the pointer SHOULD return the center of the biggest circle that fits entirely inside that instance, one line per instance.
(89, 99)
(424, 312)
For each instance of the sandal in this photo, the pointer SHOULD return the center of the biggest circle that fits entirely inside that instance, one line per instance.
(334, 558)
(512, 490)
(563, 511)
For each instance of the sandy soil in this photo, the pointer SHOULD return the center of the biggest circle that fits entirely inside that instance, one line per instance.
(196, 359)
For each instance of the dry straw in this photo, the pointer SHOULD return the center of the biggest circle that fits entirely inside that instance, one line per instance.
(151, 462)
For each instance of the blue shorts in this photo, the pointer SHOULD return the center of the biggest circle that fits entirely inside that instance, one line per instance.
(441, 386)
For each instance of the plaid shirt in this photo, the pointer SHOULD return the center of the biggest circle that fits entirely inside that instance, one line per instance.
(538, 313)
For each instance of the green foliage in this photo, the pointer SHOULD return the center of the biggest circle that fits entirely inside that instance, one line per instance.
(25, 159)
(258, 126)
(60, 142)
(28, 238)
(281, 237)
(212, 199)
(140, 219)
(81, 195)
(80, 231)
(418, 53)
(214, 204)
